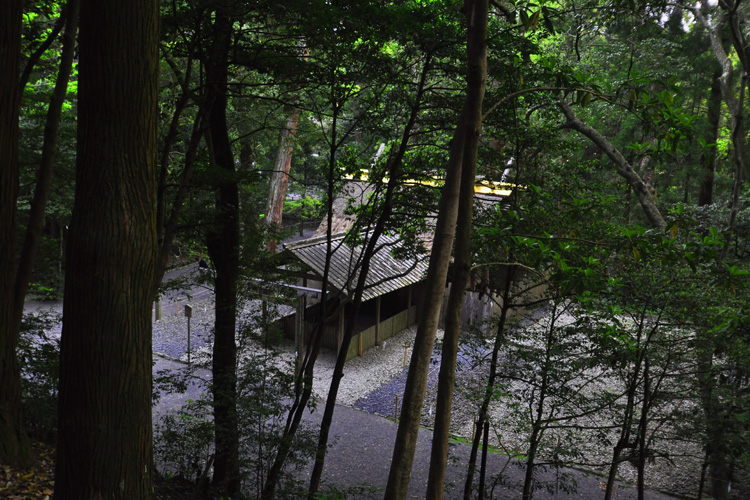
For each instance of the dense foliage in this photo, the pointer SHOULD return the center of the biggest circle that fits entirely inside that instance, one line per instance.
(617, 126)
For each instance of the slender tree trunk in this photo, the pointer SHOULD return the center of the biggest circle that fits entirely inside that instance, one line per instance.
(528, 480)
(39, 52)
(706, 190)
(44, 175)
(643, 430)
(168, 229)
(303, 388)
(223, 243)
(432, 300)
(338, 372)
(167, 223)
(614, 466)
(477, 18)
(537, 425)
(104, 445)
(490, 389)
(624, 442)
(14, 443)
(280, 175)
(416, 384)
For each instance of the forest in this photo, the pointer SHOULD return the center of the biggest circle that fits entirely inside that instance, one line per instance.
(140, 137)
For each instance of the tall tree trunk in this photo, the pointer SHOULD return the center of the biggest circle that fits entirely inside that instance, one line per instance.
(14, 443)
(706, 190)
(280, 175)
(416, 384)
(44, 174)
(223, 246)
(432, 300)
(477, 18)
(104, 445)
(304, 381)
(394, 176)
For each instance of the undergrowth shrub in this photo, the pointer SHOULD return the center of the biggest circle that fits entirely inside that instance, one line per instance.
(39, 360)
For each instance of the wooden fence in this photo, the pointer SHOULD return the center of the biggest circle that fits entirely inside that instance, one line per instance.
(376, 334)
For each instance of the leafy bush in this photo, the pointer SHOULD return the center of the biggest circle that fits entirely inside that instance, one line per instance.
(52, 290)
(183, 440)
(39, 359)
(306, 208)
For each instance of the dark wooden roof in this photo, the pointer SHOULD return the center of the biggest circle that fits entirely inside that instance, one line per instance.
(387, 273)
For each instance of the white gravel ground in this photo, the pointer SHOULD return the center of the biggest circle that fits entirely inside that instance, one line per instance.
(380, 364)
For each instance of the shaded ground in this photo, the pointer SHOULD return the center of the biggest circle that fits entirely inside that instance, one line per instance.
(361, 453)
(362, 449)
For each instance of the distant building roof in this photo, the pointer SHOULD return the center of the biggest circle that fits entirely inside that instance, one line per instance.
(387, 273)
(356, 192)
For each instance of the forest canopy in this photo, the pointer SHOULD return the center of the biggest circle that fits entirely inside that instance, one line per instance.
(138, 136)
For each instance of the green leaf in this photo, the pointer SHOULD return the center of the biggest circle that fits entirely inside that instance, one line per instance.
(547, 21)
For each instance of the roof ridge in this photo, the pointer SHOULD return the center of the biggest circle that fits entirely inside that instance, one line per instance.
(313, 241)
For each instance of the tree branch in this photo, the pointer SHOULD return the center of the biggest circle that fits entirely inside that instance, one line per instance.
(624, 168)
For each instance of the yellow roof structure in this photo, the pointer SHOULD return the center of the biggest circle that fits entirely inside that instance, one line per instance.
(483, 186)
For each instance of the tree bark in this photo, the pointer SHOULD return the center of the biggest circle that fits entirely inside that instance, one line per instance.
(280, 176)
(706, 190)
(104, 445)
(477, 12)
(624, 168)
(416, 384)
(223, 243)
(14, 443)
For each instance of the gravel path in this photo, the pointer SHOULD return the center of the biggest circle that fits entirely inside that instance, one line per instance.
(363, 430)
(363, 439)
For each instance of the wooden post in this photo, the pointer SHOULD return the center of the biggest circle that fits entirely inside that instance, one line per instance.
(408, 306)
(341, 327)
(188, 315)
(377, 320)
(299, 332)
(157, 308)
